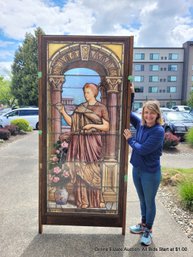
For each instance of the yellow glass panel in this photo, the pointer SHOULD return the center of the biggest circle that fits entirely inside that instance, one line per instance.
(117, 49)
(53, 48)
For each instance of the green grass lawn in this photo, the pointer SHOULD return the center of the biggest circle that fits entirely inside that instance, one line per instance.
(182, 180)
(190, 170)
(186, 172)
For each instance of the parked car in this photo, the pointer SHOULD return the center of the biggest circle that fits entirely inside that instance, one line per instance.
(165, 109)
(2, 111)
(191, 112)
(29, 114)
(178, 123)
(181, 108)
(132, 128)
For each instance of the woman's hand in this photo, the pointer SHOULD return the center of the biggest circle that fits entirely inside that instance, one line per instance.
(132, 88)
(127, 134)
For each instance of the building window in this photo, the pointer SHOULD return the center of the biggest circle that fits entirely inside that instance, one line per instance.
(153, 90)
(173, 56)
(139, 56)
(172, 79)
(153, 78)
(139, 67)
(138, 78)
(171, 90)
(154, 56)
(192, 78)
(172, 67)
(139, 89)
(192, 67)
(154, 67)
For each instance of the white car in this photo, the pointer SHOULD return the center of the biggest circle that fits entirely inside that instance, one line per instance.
(29, 113)
(165, 109)
(2, 111)
(181, 108)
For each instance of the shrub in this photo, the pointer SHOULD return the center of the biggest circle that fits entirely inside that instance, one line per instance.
(189, 136)
(186, 194)
(14, 130)
(4, 133)
(30, 129)
(170, 140)
(21, 123)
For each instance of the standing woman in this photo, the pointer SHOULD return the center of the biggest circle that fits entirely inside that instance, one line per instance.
(146, 151)
(88, 121)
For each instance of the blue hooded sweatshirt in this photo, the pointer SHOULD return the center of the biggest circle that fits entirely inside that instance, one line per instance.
(147, 145)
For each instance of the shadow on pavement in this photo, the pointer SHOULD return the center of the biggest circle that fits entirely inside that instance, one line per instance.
(70, 245)
(85, 245)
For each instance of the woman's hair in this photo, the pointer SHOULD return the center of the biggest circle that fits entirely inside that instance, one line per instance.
(153, 106)
(93, 87)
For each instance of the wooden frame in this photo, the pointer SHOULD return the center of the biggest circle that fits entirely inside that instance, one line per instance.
(110, 60)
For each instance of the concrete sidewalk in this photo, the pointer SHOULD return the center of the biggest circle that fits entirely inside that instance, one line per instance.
(19, 218)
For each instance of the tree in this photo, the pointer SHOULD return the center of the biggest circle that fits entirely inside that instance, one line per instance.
(6, 97)
(25, 69)
(190, 99)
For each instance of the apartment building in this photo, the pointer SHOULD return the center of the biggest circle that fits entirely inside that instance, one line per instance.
(165, 74)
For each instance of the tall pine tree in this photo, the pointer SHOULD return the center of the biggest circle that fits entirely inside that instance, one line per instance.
(25, 69)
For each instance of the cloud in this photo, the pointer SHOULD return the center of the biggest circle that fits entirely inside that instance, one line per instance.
(154, 23)
(6, 54)
(6, 43)
(161, 25)
(72, 18)
(5, 68)
(115, 14)
(21, 16)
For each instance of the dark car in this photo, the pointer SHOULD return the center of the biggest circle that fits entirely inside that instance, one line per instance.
(132, 129)
(178, 123)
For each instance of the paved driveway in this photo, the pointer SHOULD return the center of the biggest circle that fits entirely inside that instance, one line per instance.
(19, 218)
(179, 157)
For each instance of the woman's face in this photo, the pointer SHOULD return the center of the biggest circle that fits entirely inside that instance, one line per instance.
(149, 117)
(89, 94)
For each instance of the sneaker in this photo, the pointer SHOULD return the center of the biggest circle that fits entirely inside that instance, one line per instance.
(146, 238)
(137, 229)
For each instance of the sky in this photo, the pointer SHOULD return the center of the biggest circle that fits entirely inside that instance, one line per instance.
(75, 79)
(153, 23)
